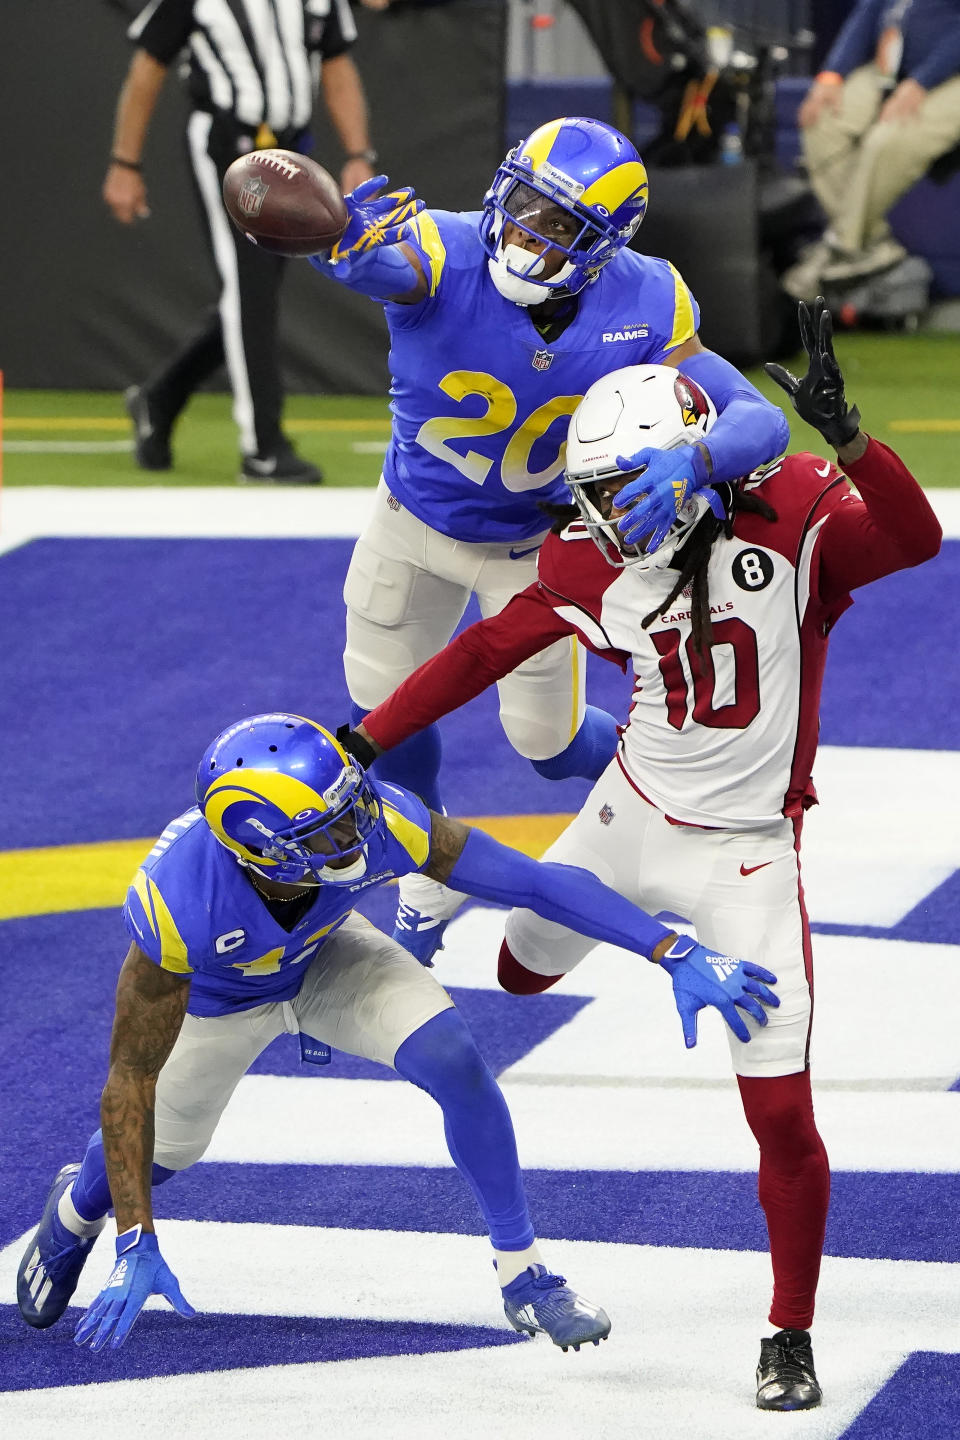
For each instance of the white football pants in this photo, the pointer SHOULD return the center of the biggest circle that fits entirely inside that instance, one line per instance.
(740, 890)
(405, 591)
(362, 994)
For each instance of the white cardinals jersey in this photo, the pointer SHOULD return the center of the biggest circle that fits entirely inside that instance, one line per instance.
(725, 740)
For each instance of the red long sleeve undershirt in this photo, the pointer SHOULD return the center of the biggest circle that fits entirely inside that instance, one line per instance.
(894, 528)
(482, 654)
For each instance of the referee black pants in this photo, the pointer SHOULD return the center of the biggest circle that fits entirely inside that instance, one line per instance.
(241, 331)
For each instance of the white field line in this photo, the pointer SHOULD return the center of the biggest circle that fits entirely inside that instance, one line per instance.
(30, 512)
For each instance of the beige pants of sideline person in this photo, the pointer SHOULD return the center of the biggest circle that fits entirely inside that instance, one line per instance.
(859, 166)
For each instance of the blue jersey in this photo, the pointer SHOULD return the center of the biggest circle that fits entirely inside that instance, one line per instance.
(193, 911)
(481, 403)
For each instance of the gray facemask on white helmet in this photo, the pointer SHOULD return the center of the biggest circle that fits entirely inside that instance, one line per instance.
(626, 411)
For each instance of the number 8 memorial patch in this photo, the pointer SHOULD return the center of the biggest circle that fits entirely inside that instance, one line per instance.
(752, 569)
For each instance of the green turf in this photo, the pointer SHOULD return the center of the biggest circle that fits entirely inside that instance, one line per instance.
(891, 377)
(205, 443)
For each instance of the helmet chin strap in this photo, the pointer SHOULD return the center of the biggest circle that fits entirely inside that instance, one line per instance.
(511, 286)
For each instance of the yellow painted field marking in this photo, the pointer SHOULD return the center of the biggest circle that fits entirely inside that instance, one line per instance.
(60, 878)
(65, 422)
(305, 425)
(920, 427)
(67, 877)
(109, 422)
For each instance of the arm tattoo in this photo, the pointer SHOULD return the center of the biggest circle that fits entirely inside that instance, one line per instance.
(150, 1007)
(447, 839)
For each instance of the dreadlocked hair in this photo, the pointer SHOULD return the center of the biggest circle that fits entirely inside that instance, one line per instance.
(695, 561)
(561, 515)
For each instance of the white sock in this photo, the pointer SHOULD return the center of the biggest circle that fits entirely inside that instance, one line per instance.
(69, 1216)
(511, 1263)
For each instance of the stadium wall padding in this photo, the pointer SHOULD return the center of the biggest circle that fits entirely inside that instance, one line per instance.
(91, 304)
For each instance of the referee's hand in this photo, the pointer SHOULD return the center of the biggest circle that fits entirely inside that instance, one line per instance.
(125, 194)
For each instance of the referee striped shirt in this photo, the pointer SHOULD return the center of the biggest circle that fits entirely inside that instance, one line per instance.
(248, 59)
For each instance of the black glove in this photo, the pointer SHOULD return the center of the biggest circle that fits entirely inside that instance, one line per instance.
(818, 398)
(356, 746)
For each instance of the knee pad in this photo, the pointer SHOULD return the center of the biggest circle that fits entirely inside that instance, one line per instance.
(377, 588)
(779, 1111)
(517, 979)
(441, 1057)
(589, 752)
(542, 700)
(376, 657)
(173, 1158)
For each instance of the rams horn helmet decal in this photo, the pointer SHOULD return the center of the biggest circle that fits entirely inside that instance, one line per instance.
(587, 169)
(282, 794)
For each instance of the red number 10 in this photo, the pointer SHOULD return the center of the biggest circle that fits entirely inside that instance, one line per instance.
(745, 705)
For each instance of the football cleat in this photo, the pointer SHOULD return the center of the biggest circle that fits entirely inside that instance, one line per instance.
(786, 1379)
(539, 1303)
(282, 466)
(151, 430)
(424, 910)
(52, 1262)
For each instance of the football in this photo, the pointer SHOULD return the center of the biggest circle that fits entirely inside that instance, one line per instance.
(284, 202)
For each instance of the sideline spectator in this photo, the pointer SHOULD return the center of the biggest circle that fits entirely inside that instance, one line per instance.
(885, 106)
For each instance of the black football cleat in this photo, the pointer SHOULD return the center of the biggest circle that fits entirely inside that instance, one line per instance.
(786, 1379)
(282, 466)
(151, 430)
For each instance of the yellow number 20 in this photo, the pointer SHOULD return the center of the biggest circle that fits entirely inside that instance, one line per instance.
(500, 414)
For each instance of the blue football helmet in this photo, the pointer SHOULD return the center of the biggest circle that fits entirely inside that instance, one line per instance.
(587, 169)
(282, 794)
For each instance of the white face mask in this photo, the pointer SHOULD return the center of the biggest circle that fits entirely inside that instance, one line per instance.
(514, 287)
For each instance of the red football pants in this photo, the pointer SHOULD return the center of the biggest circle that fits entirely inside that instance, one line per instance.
(794, 1180)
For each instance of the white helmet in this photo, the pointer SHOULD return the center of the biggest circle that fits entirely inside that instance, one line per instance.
(626, 411)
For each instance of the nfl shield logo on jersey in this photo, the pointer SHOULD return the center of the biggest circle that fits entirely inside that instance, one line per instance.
(606, 814)
(251, 196)
(542, 360)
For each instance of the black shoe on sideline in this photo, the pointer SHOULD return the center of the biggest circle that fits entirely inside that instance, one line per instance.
(151, 430)
(786, 1379)
(283, 467)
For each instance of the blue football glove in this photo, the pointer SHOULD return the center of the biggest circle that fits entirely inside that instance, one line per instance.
(669, 478)
(375, 219)
(140, 1271)
(702, 977)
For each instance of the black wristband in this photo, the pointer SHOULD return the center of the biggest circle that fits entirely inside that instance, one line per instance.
(356, 746)
(370, 155)
(126, 164)
(841, 431)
